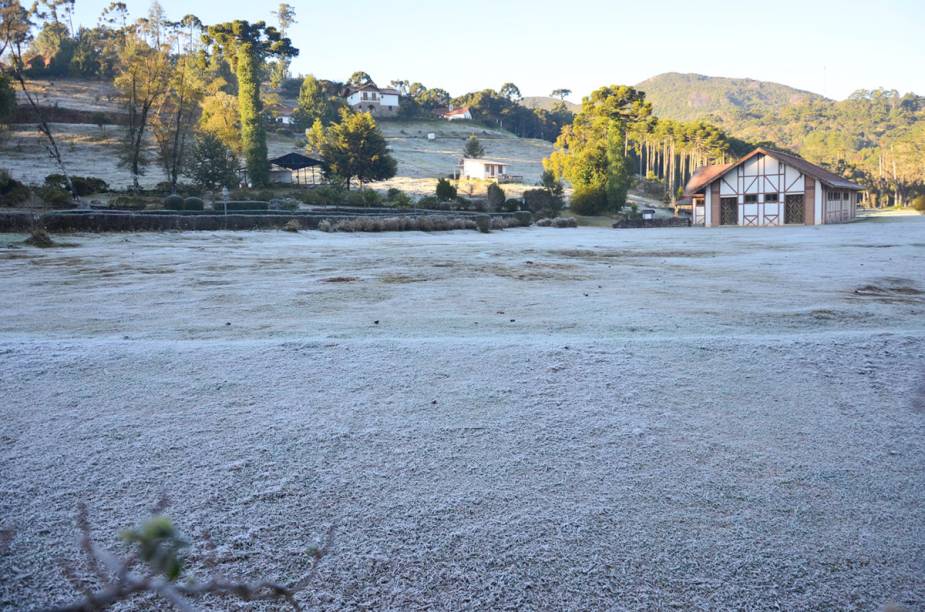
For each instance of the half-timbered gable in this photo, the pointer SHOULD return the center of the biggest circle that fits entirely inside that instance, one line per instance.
(769, 187)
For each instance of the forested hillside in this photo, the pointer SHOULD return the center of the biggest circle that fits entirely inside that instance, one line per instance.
(689, 97)
(876, 137)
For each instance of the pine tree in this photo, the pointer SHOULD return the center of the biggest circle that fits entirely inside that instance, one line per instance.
(355, 148)
(473, 148)
(247, 46)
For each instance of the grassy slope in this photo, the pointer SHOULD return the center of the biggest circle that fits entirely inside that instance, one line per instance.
(92, 151)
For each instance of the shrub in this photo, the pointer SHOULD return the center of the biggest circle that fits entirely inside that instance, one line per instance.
(40, 238)
(919, 204)
(483, 223)
(429, 202)
(524, 218)
(495, 197)
(284, 204)
(542, 203)
(511, 205)
(551, 184)
(589, 202)
(54, 196)
(559, 222)
(252, 195)
(325, 195)
(193, 203)
(128, 203)
(173, 202)
(292, 225)
(83, 185)
(425, 223)
(244, 205)
(445, 191)
(12, 192)
(211, 164)
(355, 199)
(398, 198)
(184, 189)
(371, 198)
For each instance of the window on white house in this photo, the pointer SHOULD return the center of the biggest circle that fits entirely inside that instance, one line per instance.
(770, 197)
(751, 198)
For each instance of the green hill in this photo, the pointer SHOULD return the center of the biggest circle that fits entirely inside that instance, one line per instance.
(687, 97)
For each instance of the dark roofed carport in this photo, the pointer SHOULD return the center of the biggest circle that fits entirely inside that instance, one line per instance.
(298, 163)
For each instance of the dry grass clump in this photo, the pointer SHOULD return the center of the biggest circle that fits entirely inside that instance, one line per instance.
(40, 238)
(430, 223)
(558, 222)
(292, 225)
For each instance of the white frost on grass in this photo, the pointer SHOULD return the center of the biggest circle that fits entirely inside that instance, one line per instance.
(580, 419)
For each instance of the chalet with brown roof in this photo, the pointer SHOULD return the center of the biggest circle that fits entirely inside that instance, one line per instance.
(768, 187)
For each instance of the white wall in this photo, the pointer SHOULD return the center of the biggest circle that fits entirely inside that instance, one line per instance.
(708, 207)
(475, 168)
(385, 99)
(817, 209)
(758, 176)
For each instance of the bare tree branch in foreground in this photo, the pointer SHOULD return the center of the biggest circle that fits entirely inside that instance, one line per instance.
(156, 565)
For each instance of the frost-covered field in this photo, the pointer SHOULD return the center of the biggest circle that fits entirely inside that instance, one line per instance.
(540, 419)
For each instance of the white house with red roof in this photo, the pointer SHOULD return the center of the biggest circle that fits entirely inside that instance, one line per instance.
(458, 114)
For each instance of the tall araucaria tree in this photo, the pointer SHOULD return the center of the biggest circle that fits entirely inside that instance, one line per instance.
(247, 46)
(592, 153)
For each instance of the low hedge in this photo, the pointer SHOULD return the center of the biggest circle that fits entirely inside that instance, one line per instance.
(193, 203)
(241, 205)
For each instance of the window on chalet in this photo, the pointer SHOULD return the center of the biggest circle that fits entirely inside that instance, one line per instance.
(751, 198)
(770, 197)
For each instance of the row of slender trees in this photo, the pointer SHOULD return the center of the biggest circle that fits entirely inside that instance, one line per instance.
(615, 136)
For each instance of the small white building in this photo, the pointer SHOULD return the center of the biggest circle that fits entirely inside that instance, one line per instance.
(483, 169)
(458, 114)
(373, 100)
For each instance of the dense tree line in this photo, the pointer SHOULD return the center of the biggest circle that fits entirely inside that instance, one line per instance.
(615, 136)
(875, 137)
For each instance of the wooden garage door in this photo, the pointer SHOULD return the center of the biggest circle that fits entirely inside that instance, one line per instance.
(729, 211)
(794, 213)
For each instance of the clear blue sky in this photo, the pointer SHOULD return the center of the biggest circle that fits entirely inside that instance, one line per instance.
(829, 47)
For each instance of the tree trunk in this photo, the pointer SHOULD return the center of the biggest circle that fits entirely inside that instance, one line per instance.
(43, 127)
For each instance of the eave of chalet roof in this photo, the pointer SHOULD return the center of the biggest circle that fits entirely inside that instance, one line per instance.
(706, 175)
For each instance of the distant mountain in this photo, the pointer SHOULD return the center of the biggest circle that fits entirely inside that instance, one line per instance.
(547, 103)
(875, 136)
(687, 97)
